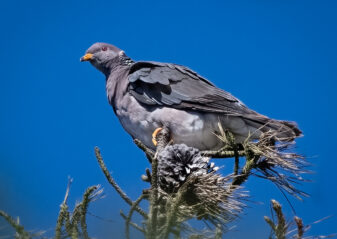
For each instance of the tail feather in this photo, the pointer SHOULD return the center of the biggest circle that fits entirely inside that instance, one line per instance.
(293, 126)
(284, 130)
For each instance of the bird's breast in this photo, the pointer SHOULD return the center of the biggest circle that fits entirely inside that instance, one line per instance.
(191, 128)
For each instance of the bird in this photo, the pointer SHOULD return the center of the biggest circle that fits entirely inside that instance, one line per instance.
(147, 96)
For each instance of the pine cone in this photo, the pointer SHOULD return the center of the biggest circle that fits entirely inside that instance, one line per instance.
(176, 162)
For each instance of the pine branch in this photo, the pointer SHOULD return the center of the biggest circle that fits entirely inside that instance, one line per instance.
(20, 230)
(114, 184)
(71, 221)
(63, 217)
(162, 138)
(128, 219)
(132, 223)
(173, 209)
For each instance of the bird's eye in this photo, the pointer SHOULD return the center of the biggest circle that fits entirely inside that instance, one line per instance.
(104, 48)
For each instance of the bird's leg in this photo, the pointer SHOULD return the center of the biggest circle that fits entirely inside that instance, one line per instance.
(161, 137)
(154, 135)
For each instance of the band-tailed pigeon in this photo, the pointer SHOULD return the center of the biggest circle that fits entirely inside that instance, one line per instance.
(147, 95)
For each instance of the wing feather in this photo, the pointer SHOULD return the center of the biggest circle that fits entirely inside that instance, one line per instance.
(156, 83)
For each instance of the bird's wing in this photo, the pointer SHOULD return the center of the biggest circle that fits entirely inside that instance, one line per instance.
(164, 84)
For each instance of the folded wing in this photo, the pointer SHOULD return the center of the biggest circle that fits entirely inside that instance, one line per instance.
(176, 86)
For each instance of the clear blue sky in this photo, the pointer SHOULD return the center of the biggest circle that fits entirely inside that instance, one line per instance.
(279, 57)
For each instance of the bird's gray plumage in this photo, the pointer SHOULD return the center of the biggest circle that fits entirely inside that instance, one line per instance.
(147, 95)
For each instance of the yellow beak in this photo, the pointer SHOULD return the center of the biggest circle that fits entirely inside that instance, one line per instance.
(86, 57)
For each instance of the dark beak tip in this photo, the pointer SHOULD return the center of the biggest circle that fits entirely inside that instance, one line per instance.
(81, 59)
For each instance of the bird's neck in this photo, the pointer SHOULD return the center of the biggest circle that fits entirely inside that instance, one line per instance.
(114, 64)
(116, 83)
(126, 61)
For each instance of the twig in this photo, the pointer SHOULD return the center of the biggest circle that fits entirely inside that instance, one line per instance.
(147, 177)
(152, 223)
(218, 232)
(63, 214)
(79, 213)
(75, 218)
(162, 138)
(148, 174)
(270, 222)
(281, 228)
(223, 153)
(237, 161)
(149, 153)
(114, 184)
(243, 176)
(87, 197)
(132, 223)
(300, 227)
(172, 212)
(17, 227)
(128, 219)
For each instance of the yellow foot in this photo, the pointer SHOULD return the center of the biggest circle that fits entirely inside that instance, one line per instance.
(154, 135)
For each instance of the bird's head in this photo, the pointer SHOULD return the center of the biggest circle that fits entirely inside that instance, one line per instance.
(103, 56)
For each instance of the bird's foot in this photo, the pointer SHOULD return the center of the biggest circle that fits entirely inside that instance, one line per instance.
(154, 135)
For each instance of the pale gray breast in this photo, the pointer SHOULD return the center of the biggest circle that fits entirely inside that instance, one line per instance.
(192, 128)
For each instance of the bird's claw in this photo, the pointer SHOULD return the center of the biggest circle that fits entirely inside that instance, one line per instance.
(154, 135)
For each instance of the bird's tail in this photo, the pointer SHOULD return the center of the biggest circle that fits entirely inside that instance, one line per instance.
(283, 130)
